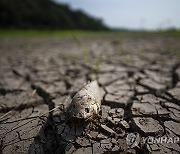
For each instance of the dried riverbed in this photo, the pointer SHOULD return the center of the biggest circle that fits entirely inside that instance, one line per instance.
(139, 81)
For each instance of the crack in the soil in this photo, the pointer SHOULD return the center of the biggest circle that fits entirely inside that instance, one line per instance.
(174, 76)
(4, 91)
(46, 96)
(21, 107)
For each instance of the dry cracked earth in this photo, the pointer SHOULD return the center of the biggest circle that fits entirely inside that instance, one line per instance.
(138, 75)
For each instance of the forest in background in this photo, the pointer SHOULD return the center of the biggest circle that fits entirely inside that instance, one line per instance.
(44, 14)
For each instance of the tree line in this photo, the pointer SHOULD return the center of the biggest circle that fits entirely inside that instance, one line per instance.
(45, 14)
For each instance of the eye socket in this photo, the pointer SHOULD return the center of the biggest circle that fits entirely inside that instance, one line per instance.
(73, 106)
(87, 110)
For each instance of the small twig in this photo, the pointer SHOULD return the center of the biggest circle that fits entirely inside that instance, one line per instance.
(33, 118)
(32, 94)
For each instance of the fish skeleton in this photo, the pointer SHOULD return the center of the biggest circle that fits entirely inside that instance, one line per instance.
(86, 103)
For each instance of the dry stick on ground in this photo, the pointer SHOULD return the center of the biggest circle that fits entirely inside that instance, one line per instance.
(60, 106)
(33, 93)
(14, 128)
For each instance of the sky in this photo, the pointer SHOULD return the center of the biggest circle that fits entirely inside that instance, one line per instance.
(131, 14)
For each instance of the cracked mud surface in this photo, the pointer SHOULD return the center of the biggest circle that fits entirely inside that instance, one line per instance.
(139, 79)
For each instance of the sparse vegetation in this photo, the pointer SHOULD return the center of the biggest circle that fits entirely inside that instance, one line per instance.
(85, 51)
(120, 44)
(95, 67)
